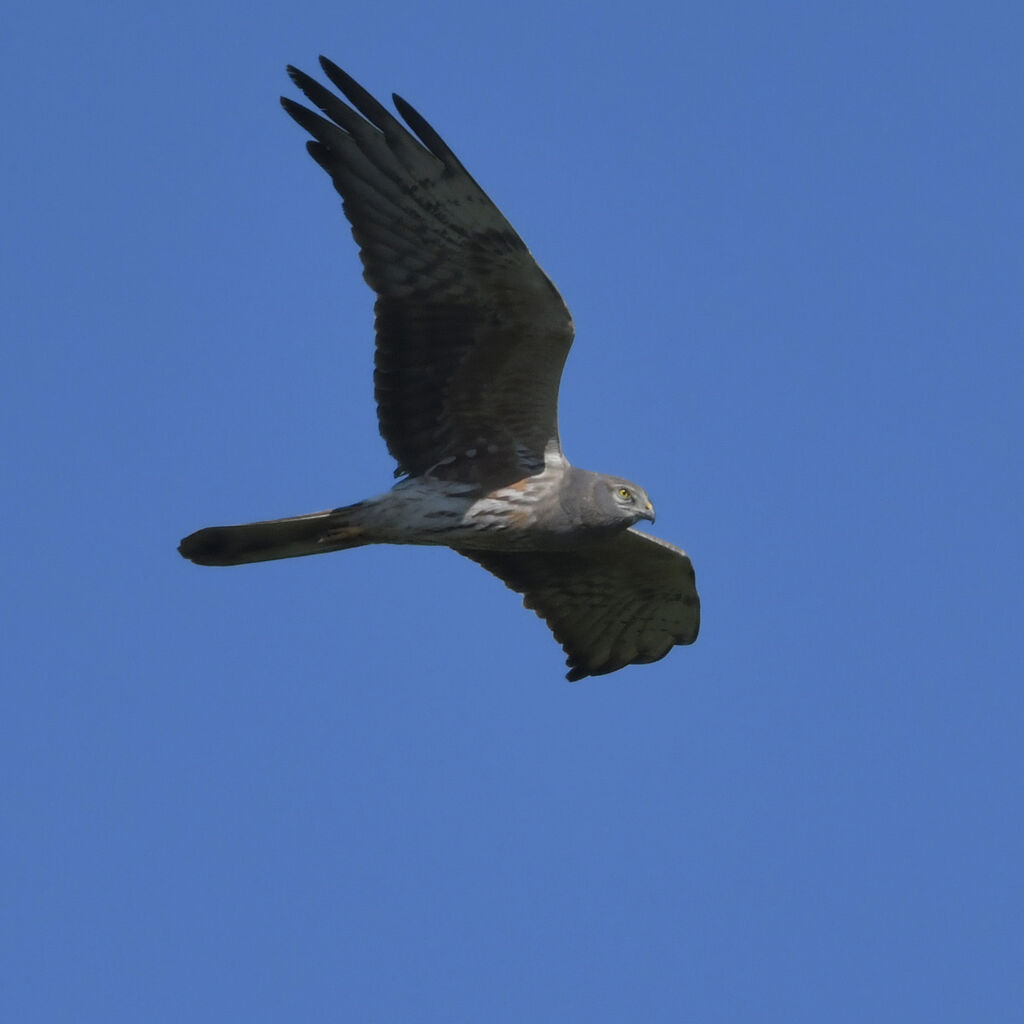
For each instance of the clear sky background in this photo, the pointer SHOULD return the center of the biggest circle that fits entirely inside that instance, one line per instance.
(357, 787)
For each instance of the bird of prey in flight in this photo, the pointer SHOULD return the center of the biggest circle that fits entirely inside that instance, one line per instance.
(471, 340)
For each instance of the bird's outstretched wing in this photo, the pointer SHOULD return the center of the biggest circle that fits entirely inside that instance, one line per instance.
(471, 333)
(619, 602)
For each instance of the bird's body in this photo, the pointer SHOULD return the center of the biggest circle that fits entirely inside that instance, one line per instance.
(471, 340)
(527, 515)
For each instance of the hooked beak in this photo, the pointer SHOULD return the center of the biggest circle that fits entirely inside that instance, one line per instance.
(648, 512)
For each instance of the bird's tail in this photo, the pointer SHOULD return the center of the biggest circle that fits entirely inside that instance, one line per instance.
(311, 534)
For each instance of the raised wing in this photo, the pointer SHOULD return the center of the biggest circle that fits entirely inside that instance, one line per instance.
(620, 602)
(471, 333)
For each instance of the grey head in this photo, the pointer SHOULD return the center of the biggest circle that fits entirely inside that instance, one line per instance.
(602, 504)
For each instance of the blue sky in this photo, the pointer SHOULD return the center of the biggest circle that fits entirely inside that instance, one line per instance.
(357, 787)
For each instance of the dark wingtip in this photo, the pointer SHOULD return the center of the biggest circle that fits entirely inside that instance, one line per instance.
(206, 547)
(575, 673)
(405, 108)
(301, 115)
(297, 77)
(342, 79)
(330, 68)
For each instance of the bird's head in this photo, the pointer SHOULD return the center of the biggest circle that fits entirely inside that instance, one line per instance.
(623, 501)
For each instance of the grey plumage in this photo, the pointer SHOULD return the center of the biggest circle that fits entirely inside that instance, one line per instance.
(471, 340)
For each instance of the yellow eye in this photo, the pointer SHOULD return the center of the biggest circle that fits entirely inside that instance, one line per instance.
(625, 492)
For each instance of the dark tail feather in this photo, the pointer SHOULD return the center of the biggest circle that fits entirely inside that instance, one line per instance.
(311, 534)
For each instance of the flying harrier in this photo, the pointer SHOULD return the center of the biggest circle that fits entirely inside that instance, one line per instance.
(471, 340)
